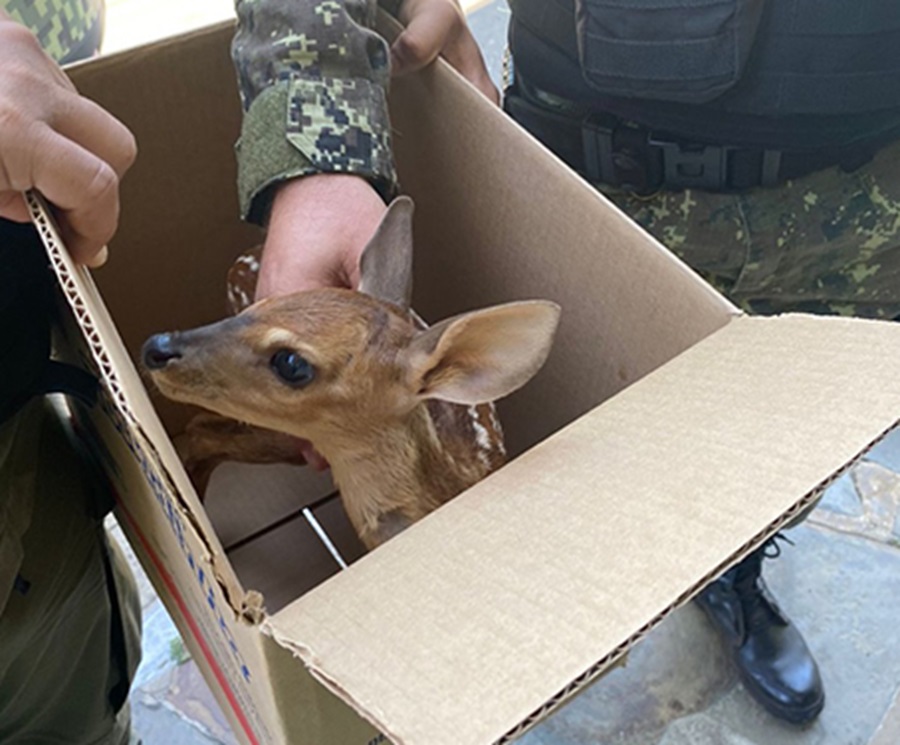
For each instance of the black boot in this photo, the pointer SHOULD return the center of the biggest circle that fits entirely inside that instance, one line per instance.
(775, 664)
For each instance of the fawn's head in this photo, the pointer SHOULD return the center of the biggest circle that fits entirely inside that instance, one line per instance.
(329, 365)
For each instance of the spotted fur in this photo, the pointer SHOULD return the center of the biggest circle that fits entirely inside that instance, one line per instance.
(396, 407)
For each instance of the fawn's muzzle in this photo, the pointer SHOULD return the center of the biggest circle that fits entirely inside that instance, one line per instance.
(158, 350)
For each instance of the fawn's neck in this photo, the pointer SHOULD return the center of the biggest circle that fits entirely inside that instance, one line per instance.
(401, 473)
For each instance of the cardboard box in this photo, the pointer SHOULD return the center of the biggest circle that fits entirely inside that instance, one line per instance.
(667, 437)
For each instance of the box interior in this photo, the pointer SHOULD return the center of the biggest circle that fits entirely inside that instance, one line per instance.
(617, 519)
(674, 434)
(628, 306)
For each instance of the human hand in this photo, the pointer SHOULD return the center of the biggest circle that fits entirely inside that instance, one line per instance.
(318, 228)
(438, 27)
(54, 140)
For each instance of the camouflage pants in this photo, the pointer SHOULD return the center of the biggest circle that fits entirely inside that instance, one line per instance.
(825, 243)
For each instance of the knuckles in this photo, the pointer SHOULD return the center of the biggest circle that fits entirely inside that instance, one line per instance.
(103, 184)
(410, 50)
(129, 151)
(15, 34)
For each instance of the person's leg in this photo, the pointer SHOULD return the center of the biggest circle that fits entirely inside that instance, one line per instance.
(707, 231)
(828, 243)
(68, 635)
(769, 652)
(712, 233)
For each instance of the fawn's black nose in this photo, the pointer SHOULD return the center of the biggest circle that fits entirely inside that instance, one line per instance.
(158, 350)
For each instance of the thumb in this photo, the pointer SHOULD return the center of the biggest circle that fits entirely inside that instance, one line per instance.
(424, 38)
(12, 206)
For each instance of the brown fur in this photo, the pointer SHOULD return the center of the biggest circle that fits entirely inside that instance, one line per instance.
(381, 407)
(391, 455)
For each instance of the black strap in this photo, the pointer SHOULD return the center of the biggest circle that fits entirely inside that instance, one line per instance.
(27, 308)
(608, 150)
(61, 377)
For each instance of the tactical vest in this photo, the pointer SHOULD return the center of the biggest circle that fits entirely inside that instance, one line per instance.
(764, 57)
(68, 30)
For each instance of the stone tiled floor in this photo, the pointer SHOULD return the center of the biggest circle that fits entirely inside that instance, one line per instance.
(840, 583)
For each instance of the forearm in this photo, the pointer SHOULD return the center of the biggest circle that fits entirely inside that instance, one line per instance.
(313, 86)
(313, 78)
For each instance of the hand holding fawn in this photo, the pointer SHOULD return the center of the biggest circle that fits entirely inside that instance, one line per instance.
(401, 412)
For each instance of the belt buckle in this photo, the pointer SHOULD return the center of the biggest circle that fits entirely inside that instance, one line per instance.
(617, 154)
(597, 134)
(698, 167)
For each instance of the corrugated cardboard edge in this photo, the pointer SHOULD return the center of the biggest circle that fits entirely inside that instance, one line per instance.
(323, 661)
(307, 656)
(617, 655)
(102, 351)
(613, 659)
(76, 285)
(377, 718)
(128, 54)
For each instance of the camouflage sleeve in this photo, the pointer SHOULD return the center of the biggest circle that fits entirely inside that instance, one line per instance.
(313, 78)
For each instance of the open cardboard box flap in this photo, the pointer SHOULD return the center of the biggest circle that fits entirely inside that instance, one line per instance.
(713, 429)
(541, 576)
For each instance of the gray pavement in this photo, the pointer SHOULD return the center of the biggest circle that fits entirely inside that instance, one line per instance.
(840, 584)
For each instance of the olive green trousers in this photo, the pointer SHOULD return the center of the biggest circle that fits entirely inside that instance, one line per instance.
(69, 605)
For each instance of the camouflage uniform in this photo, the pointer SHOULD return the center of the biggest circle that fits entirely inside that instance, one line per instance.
(313, 78)
(68, 30)
(826, 243)
(313, 84)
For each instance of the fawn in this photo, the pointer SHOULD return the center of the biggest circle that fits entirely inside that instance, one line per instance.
(401, 412)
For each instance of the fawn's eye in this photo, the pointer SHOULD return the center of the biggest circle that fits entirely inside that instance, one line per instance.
(292, 368)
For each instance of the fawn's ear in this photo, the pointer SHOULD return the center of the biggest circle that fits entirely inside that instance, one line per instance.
(484, 355)
(386, 264)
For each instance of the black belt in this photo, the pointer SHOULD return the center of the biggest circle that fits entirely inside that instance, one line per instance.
(608, 150)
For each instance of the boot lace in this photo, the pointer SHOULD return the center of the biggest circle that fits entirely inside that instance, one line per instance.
(759, 607)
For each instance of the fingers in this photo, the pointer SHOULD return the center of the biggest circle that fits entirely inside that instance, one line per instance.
(53, 140)
(465, 57)
(429, 28)
(77, 165)
(75, 160)
(83, 186)
(438, 27)
(101, 149)
(12, 206)
(98, 131)
(313, 458)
